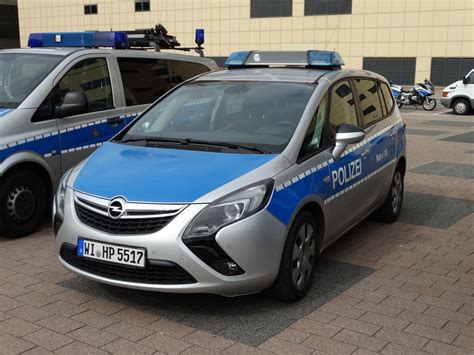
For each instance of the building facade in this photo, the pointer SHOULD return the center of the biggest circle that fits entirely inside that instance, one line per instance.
(404, 40)
(9, 30)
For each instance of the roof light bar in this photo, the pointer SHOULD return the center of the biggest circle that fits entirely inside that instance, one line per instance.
(78, 39)
(311, 58)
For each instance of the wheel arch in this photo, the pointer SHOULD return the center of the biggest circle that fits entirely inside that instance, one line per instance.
(457, 97)
(402, 163)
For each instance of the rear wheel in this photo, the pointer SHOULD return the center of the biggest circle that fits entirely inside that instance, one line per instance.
(429, 104)
(298, 260)
(23, 203)
(390, 211)
(461, 107)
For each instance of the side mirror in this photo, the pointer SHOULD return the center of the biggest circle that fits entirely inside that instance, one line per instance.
(346, 134)
(74, 103)
(465, 80)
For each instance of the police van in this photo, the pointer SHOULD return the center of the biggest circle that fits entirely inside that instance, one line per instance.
(236, 180)
(61, 99)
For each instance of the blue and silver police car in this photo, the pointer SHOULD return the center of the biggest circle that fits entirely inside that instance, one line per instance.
(62, 98)
(235, 181)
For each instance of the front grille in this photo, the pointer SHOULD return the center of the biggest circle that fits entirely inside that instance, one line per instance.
(122, 225)
(155, 272)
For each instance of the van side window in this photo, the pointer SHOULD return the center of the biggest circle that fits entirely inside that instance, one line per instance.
(369, 100)
(342, 107)
(387, 95)
(91, 76)
(144, 80)
(314, 134)
(181, 71)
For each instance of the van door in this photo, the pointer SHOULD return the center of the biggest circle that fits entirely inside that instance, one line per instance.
(80, 134)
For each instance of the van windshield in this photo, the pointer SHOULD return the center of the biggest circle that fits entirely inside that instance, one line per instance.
(20, 73)
(252, 116)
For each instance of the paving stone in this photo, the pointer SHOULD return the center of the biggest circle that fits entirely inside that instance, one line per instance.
(18, 327)
(293, 335)
(126, 347)
(360, 340)
(437, 347)
(329, 346)
(95, 319)
(424, 319)
(65, 309)
(431, 333)
(10, 344)
(315, 327)
(398, 349)
(10, 290)
(78, 347)
(384, 321)
(164, 326)
(356, 325)
(395, 336)
(165, 343)
(136, 317)
(465, 342)
(449, 315)
(128, 331)
(207, 340)
(48, 339)
(241, 349)
(405, 304)
(197, 350)
(60, 324)
(467, 137)
(92, 336)
(30, 313)
(35, 299)
(277, 346)
(464, 171)
(103, 306)
(37, 351)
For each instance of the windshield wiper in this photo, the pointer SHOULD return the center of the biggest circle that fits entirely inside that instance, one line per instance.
(254, 148)
(191, 141)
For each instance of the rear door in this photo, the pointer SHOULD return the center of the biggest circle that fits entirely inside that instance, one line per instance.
(81, 134)
(377, 120)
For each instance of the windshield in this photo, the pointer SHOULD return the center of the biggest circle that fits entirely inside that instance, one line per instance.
(20, 73)
(256, 116)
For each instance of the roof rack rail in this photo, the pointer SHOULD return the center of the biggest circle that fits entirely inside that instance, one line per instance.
(158, 39)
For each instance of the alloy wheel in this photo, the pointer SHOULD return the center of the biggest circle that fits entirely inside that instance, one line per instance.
(303, 259)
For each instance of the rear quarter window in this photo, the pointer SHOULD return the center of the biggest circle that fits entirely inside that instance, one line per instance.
(369, 98)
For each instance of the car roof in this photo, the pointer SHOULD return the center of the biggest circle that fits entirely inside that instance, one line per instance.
(65, 51)
(288, 74)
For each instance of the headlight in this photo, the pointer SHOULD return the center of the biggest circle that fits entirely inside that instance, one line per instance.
(230, 209)
(60, 196)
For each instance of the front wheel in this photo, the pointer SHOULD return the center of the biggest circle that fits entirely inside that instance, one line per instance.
(390, 211)
(23, 203)
(298, 260)
(461, 107)
(429, 104)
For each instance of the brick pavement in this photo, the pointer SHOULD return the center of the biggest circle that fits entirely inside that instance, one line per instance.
(418, 296)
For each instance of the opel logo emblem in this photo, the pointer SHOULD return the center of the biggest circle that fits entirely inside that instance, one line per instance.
(256, 57)
(116, 208)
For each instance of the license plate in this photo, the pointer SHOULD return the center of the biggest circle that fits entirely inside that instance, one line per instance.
(117, 254)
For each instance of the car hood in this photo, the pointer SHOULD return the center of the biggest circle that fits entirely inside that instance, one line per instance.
(144, 174)
(5, 111)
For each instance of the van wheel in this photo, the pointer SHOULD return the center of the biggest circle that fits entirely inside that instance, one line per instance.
(298, 260)
(461, 107)
(390, 211)
(23, 202)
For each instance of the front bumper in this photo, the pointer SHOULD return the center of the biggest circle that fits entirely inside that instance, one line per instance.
(446, 102)
(255, 244)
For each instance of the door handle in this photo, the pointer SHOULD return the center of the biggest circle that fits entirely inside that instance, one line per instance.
(114, 121)
(365, 153)
(392, 134)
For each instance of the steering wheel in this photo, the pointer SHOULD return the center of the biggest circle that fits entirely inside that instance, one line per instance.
(285, 123)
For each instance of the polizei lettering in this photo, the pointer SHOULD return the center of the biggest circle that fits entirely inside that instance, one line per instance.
(346, 173)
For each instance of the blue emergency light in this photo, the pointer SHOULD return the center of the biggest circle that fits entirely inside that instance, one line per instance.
(79, 39)
(311, 58)
(199, 36)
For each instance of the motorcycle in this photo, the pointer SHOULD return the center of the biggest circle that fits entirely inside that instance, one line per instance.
(420, 94)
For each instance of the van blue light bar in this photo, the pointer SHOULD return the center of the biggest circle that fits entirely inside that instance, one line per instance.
(78, 39)
(311, 58)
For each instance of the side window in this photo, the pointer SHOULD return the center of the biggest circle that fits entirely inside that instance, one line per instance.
(314, 135)
(387, 95)
(182, 71)
(144, 80)
(369, 100)
(90, 76)
(342, 107)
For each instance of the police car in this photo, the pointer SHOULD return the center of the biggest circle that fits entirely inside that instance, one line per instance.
(61, 99)
(235, 181)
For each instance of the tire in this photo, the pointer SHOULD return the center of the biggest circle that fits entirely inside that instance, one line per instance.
(429, 104)
(390, 210)
(298, 260)
(23, 203)
(461, 107)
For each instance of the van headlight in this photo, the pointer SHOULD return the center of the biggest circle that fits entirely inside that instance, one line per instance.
(58, 208)
(230, 209)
